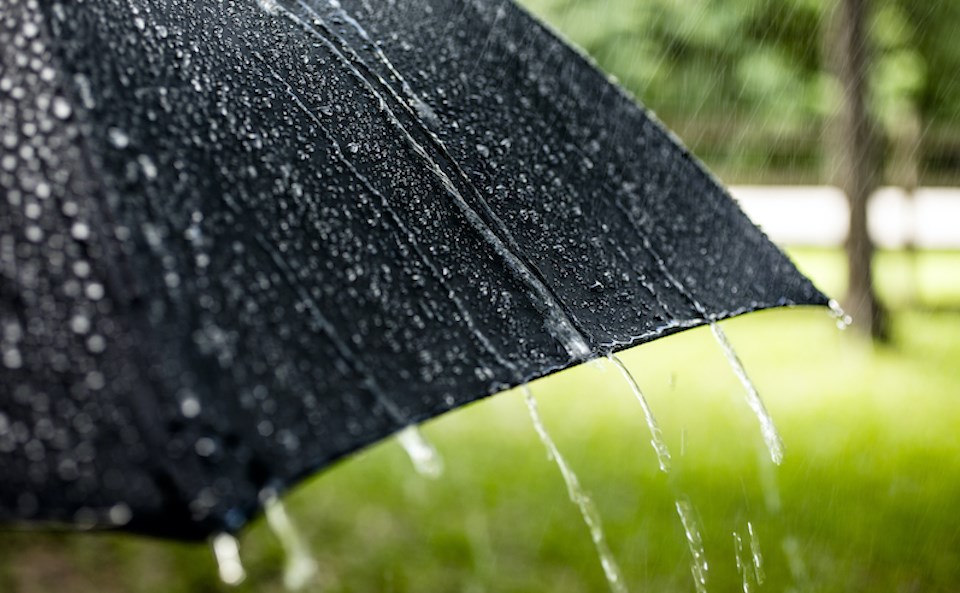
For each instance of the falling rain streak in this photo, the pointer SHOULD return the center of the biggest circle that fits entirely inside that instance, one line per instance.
(656, 435)
(691, 529)
(770, 435)
(422, 453)
(741, 563)
(579, 497)
(751, 570)
(755, 553)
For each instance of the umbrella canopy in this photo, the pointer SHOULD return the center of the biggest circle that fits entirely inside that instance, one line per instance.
(239, 240)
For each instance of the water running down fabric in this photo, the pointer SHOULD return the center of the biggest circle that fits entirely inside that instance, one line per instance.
(240, 240)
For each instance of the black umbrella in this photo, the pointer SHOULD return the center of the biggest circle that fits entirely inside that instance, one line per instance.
(241, 240)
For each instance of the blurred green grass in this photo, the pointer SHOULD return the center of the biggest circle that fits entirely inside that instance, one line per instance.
(865, 500)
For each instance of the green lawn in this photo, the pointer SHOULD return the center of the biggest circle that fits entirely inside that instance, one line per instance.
(864, 501)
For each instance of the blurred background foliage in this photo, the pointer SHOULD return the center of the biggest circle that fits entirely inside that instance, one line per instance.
(742, 82)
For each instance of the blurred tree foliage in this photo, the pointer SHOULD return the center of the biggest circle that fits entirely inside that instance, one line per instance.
(743, 82)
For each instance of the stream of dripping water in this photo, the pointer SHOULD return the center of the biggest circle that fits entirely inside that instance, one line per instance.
(422, 454)
(579, 497)
(227, 552)
(688, 517)
(769, 430)
(691, 528)
(656, 436)
(300, 567)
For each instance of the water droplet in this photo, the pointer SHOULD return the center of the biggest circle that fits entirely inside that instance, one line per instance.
(61, 108)
(80, 231)
(147, 166)
(268, 6)
(30, 29)
(12, 359)
(205, 447)
(118, 138)
(43, 190)
(96, 344)
(95, 380)
(120, 514)
(33, 233)
(80, 324)
(190, 407)
(94, 291)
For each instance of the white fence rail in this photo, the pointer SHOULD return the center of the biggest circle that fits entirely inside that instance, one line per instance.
(818, 215)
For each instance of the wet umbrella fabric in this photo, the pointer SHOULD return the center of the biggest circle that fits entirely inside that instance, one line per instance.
(240, 240)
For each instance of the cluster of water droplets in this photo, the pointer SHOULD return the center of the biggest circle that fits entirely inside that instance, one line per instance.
(839, 315)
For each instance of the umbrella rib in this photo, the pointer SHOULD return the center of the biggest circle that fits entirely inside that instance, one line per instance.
(422, 108)
(661, 264)
(646, 283)
(559, 321)
(401, 226)
(492, 218)
(354, 60)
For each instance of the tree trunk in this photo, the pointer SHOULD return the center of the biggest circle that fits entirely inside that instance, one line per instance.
(854, 156)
